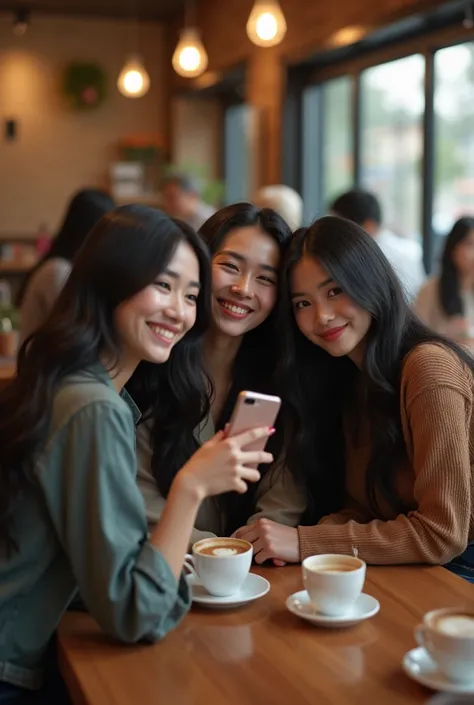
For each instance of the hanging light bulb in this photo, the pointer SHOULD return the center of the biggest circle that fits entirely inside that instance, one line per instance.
(190, 57)
(133, 80)
(266, 25)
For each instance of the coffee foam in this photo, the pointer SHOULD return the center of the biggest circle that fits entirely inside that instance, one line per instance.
(455, 625)
(220, 551)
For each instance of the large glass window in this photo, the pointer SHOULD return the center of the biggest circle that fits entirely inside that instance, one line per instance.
(454, 137)
(328, 155)
(392, 107)
(338, 163)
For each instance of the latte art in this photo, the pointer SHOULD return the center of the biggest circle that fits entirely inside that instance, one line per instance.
(222, 548)
(461, 625)
(223, 551)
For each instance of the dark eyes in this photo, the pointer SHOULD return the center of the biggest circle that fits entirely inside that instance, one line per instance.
(300, 304)
(166, 286)
(335, 291)
(262, 277)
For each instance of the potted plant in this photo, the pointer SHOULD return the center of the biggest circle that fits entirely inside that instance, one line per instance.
(9, 324)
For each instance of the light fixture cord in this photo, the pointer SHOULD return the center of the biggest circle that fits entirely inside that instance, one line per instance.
(190, 14)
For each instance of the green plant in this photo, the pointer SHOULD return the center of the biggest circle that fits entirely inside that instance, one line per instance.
(84, 85)
(212, 190)
(9, 318)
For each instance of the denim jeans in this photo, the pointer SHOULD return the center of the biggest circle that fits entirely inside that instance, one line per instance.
(53, 692)
(463, 565)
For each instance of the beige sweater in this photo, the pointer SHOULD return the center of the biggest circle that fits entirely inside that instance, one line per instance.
(436, 403)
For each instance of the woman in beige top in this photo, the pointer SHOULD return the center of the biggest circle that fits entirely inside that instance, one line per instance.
(43, 284)
(446, 303)
(386, 411)
(240, 352)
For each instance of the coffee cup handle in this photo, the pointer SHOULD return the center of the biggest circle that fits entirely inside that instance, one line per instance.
(422, 637)
(189, 564)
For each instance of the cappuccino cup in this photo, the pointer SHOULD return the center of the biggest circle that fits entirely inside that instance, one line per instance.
(333, 582)
(448, 637)
(220, 564)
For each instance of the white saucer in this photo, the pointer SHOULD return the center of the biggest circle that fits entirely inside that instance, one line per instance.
(418, 664)
(365, 606)
(254, 586)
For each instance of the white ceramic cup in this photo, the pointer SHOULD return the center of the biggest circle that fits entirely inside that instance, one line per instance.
(453, 652)
(333, 592)
(223, 573)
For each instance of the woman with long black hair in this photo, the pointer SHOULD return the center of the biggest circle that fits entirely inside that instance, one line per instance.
(382, 408)
(71, 515)
(446, 302)
(42, 285)
(240, 350)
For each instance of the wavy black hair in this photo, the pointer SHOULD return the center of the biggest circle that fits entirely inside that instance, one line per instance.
(125, 252)
(84, 211)
(320, 388)
(449, 291)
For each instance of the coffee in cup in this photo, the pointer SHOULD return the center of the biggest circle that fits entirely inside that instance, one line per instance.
(220, 564)
(333, 582)
(448, 636)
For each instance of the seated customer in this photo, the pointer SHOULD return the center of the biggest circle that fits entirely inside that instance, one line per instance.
(405, 256)
(43, 284)
(71, 515)
(284, 200)
(446, 303)
(182, 199)
(385, 411)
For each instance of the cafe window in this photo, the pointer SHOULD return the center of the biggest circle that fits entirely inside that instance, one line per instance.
(391, 140)
(453, 195)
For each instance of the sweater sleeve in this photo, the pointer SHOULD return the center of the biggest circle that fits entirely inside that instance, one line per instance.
(279, 498)
(437, 400)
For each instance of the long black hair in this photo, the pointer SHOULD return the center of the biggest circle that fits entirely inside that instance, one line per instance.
(256, 360)
(177, 398)
(321, 388)
(125, 252)
(84, 211)
(449, 290)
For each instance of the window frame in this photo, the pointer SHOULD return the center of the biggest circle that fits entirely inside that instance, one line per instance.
(305, 75)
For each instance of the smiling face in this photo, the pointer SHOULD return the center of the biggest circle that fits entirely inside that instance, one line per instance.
(326, 315)
(244, 280)
(157, 317)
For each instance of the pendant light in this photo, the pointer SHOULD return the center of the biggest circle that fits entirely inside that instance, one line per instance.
(190, 57)
(133, 80)
(266, 25)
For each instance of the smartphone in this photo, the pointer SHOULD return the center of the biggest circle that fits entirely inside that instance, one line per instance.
(253, 410)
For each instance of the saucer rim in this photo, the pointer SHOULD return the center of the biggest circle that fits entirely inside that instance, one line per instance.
(318, 618)
(426, 680)
(230, 600)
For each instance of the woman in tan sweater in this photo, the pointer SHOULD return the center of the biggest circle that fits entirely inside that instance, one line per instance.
(382, 408)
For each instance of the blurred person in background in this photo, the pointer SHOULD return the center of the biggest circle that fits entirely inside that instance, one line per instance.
(405, 256)
(182, 199)
(446, 302)
(284, 200)
(45, 281)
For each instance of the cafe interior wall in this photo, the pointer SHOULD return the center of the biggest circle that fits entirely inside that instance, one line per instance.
(57, 150)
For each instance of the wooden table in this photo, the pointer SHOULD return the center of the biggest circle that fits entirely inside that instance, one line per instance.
(263, 655)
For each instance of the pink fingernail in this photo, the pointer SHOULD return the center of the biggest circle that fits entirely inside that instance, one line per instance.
(271, 429)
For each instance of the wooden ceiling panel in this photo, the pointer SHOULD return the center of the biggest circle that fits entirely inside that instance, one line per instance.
(145, 9)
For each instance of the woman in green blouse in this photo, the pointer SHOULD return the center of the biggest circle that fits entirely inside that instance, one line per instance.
(71, 515)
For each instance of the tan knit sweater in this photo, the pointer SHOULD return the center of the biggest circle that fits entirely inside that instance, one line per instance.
(436, 401)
